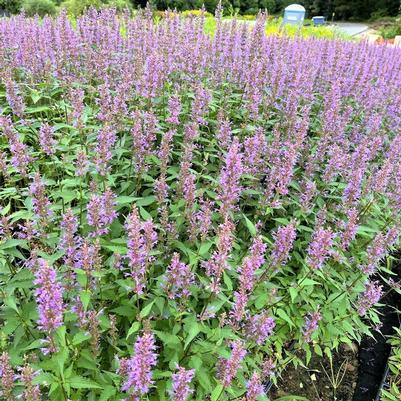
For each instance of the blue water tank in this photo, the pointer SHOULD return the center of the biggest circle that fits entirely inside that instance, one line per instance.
(294, 14)
(318, 20)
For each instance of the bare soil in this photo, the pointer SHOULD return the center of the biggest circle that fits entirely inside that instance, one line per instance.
(321, 381)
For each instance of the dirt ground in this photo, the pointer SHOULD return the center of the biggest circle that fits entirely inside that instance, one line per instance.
(321, 382)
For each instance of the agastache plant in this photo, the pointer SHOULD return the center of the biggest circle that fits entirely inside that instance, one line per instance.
(46, 139)
(230, 188)
(227, 368)
(40, 201)
(142, 237)
(181, 390)
(178, 202)
(254, 387)
(7, 377)
(247, 277)
(49, 299)
(372, 294)
(139, 366)
(101, 212)
(179, 279)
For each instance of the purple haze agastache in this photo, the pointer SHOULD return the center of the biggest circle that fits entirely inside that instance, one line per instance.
(254, 387)
(319, 248)
(101, 212)
(349, 228)
(230, 188)
(106, 139)
(15, 101)
(142, 237)
(218, 262)
(143, 137)
(283, 243)
(180, 390)
(268, 367)
(371, 296)
(311, 325)
(31, 391)
(255, 149)
(7, 376)
(259, 328)
(81, 163)
(179, 279)
(203, 218)
(88, 257)
(68, 240)
(46, 139)
(227, 368)
(139, 366)
(174, 108)
(40, 201)
(49, 297)
(247, 270)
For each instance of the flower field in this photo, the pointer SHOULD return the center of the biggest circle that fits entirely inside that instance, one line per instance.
(180, 212)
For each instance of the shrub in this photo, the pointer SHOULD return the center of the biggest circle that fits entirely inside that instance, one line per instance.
(78, 7)
(183, 215)
(119, 5)
(392, 30)
(39, 7)
(195, 13)
(11, 6)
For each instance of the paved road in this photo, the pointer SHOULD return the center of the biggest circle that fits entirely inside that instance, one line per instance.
(352, 28)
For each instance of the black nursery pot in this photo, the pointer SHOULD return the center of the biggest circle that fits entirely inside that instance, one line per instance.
(374, 352)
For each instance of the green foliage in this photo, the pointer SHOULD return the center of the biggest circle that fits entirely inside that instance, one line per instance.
(344, 9)
(393, 393)
(194, 330)
(11, 6)
(39, 7)
(392, 30)
(78, 7)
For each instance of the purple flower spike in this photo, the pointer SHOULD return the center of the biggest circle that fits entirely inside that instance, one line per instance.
(319, 248)
(180, 390)
(179, 278)
(227, 368)
(139, 367)
(48, 297)
(254, 388)
(371, 296)
(311, 324)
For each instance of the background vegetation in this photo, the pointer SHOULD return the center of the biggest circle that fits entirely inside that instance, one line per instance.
(343, 9)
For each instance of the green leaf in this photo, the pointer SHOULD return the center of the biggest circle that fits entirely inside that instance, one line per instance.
(285, 317)
(204, 248)
(82, 382)
(148, 200)
(309, 281)
(217, 392)
(193, 330)
(133, 329)
(169, 339)
(251, 227)
(80, 337)
(85, 297)
(293, 293)
(44, 379)
(125, 200)
(146, 310)
(107, 393)
(124, 310)
(144, 214)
